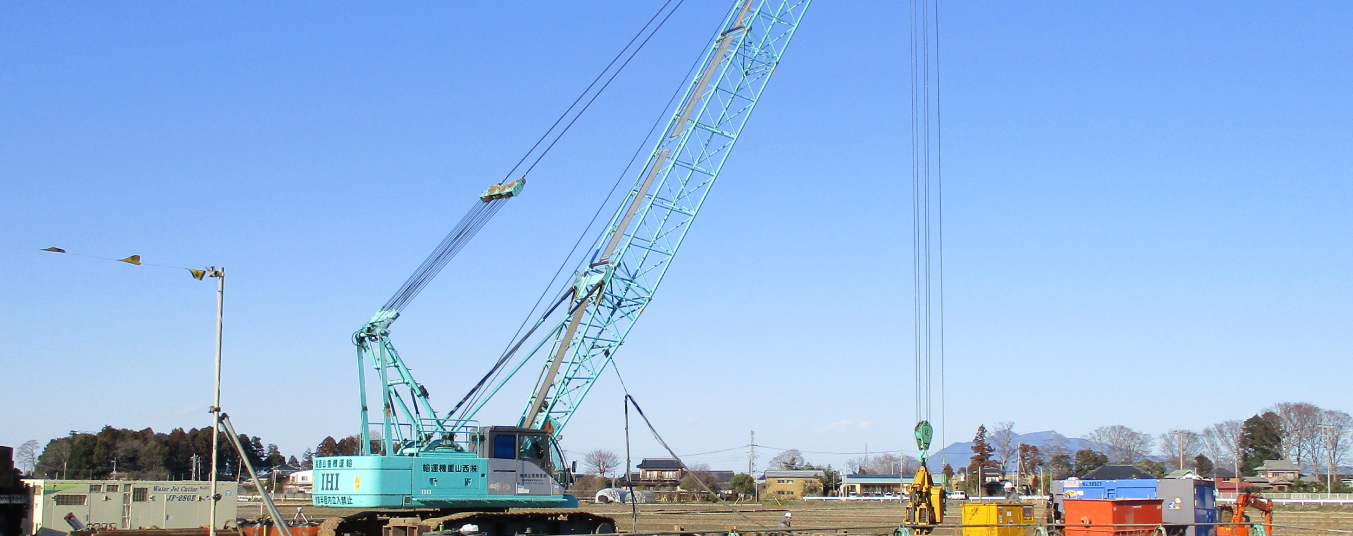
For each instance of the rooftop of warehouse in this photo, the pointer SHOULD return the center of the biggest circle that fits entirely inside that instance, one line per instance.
(1116, 472)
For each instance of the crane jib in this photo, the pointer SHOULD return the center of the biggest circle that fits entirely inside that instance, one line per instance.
(650, 225)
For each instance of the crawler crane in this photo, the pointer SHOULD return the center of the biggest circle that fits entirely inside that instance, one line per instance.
(428, 470)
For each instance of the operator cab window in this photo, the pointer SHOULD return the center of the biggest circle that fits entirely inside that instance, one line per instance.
(505, 446)
(531, 447)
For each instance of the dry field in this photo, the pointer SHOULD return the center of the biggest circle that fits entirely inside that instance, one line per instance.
(864, 518)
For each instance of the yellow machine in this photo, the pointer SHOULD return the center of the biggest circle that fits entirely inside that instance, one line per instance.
(1018, 515)
(925, 498)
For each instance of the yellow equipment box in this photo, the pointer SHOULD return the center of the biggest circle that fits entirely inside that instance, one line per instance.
(998, 513)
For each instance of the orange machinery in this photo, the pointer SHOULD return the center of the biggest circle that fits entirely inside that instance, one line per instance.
(1100, 517)
(1240, 521)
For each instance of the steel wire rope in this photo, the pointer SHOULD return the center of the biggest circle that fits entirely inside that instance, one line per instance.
(916, 224)
(835, 453)
(925, 116)
(473, 395)
(607, 84)
(479, 215)
(927, 209)
(629, 399)
(939, 187)
(586, 90)
(470, 224)
(494, 372)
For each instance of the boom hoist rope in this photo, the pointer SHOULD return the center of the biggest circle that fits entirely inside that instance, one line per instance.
(616, 281)
(925, 506)
(412, 425)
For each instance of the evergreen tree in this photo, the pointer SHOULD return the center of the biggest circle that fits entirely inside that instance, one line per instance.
(980, 464)
(1088, 460)
(1261, 439)
(1203, 465)
(326, 447)
(274, 457)
(1156, 468)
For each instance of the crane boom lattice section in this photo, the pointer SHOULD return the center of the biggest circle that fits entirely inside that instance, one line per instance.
(630, 259)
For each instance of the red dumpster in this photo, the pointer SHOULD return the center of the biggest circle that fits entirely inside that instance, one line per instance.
(1097, 517)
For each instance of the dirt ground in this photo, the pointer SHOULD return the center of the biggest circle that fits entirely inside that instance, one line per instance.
(864, 518)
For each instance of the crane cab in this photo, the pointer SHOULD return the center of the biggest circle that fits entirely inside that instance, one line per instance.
(522, 461)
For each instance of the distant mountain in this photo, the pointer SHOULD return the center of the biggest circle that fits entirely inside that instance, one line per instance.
(960, 454)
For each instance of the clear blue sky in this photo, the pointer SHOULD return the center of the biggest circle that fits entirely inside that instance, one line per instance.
(1149, 215)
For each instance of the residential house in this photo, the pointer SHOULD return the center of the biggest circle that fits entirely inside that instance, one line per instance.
(302, 480)
(872, 485)
(1279, 473)
(658, 473)
(792, 484)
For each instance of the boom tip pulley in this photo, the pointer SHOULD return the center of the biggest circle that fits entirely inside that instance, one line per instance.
(503, 191)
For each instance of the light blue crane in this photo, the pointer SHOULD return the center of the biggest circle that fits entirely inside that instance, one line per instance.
(447, 463)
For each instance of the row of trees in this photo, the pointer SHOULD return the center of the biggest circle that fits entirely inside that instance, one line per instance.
(150, 455)
(1316, 440)
(141, 454)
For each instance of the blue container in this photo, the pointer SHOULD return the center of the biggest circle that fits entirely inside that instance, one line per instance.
(1183, 500)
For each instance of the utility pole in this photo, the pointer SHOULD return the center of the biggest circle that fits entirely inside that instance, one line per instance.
(751, 455)
(1179, 445)
(751, 465)
(219, 274)
(1329, 466)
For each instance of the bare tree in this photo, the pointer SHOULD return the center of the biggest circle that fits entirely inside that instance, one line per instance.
(602, 462)
(883, 464)
(1179, 447)
(789, 459)
(1222, 441)
(1301, 429)
(26, 458)
(54, 457)
(1003, 439)
(1335, 427)
(1055, 446)
(1121, 444)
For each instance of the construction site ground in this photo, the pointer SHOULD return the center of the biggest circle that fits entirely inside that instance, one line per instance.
(666, 517)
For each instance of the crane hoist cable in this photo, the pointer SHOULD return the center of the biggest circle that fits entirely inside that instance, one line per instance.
(372, 340)
(925, 503)
(622, 53)
(518, 339)
(481, 212)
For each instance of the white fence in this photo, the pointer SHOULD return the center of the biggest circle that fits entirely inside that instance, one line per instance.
(1314, 499)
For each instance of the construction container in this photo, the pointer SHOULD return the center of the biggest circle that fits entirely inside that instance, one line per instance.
(1098, 517)
(1186, 501)
(998, 513)
(60, 506)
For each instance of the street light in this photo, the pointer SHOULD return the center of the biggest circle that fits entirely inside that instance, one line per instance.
(215, 410)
